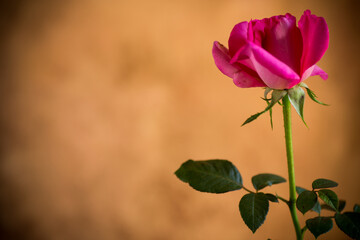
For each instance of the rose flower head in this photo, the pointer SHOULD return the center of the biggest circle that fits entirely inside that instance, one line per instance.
(274, 52)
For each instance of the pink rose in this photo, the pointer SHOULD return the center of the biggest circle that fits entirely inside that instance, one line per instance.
(274, 52)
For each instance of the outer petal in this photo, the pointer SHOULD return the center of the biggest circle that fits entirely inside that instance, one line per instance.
(238, 37)
(222, 60)
(240, 77)
(244, 80)
(315, 34)
(274, 73)
(284, 41)
(318, 71)
(313, 71)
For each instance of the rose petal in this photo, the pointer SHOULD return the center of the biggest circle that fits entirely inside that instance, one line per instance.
(313, 71)
(240, 76)
(284, 41)
(315, 34)
(318, 71)
(222, 60)
(256, 31)
(274, 73)
(244, 80)
(238, 37)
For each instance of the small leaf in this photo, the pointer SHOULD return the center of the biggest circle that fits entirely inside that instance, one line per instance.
(311, 94)
(356, 208)
(213, 176)
(299, 190)
(319, 225)
(253, 209)
(317, 207)
(327, 207)
(297, 99)
(349, 223)
(306, 201)
(266, 179)
(323, 183)
(271, 197)
(330, 198)
(275, 97)
(342, 204)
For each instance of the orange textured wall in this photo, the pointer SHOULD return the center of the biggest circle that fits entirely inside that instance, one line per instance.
(103, 100)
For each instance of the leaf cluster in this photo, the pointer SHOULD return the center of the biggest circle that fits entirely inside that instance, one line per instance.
(348, 222)
(220, 176)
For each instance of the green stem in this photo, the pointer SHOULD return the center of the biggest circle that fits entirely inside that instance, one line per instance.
(291, 168)
(303, 230)
(283, 199)
(247, 189)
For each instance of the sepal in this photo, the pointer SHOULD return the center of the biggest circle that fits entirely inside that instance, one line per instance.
(297, 99)
(276, 96)
(311, 94)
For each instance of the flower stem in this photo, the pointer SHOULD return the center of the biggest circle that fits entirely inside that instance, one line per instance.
(291, 168)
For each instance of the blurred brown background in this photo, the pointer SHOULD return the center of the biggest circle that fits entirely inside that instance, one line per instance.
(101, 101)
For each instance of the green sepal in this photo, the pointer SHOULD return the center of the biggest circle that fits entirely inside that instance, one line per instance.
(330, 198)
(319, 225)
(349, 223)
(276, 96)
(297, 99)
(266, 92)
(253, 117)
(270, 113)
(323, 183)
(311, 94)
(266, 179)
(213, 176)
(253, 209)
(306, 201)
